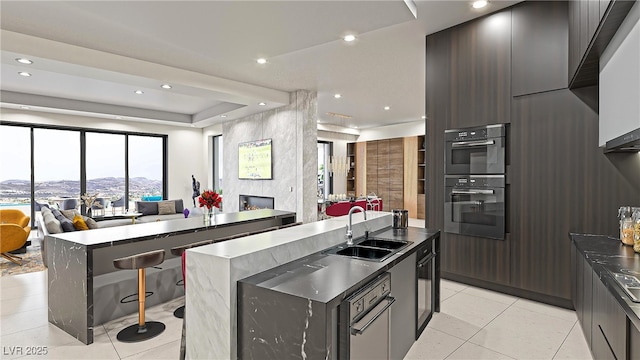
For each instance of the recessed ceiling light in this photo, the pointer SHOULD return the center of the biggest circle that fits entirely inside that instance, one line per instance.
(24, 73)
(349, 38)
(166, 86)
(479, 4)
(24, 61)
(424, 116)
(24, 107)
(223, 116)
(139, 92)
(337, 96)
(387, 108)
(262, 103)
(261, 61)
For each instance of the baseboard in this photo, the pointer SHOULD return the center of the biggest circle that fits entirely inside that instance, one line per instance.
(526, 294)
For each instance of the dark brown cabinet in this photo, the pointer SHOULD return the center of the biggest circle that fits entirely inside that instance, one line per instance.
(540, 47)
(582, 277)
(592, 24)
(608, 331)
(609, 325)
(634, 342)
(555, 166)
(480, 73)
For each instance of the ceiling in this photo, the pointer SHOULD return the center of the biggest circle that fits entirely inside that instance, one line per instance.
(90, 56)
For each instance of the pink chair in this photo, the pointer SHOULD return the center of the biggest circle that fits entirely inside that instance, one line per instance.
(361, 203)
(374, 204)
(339, 209)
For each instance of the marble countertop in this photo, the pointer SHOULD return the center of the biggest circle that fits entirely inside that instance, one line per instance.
(606, 253)
(105, 237)
(328, 278)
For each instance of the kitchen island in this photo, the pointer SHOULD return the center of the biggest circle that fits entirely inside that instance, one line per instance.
(214, 270)
(85, 289)
(211, 300)
(298, 310)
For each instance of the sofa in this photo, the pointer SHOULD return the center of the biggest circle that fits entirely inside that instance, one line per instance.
(54, 221)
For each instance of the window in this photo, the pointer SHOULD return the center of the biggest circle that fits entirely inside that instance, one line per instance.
(325, 182)
(105, 166)
(15, 177)
(217, 163)
(56, 155)
(145, 168)
(65, 162)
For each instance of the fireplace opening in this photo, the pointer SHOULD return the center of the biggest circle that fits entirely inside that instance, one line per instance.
(252, 202)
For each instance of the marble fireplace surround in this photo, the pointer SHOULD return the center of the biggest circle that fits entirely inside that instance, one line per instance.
(212, 272)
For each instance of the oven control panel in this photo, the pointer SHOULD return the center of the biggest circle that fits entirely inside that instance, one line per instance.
(369, 296)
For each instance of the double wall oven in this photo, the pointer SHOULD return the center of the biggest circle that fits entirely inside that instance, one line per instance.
(475, 181)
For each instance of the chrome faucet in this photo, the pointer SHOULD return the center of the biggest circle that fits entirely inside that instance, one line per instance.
(349, 235)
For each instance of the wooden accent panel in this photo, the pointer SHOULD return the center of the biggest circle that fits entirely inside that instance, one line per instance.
(361, 168)
(372, 167)
(480, 73)
(561, 182)
(540, 47)
(421, 206)
(411, 176)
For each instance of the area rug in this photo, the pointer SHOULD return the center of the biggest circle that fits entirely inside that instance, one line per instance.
(31, 262)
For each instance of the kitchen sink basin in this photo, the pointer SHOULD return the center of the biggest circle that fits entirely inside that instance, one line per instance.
(372, 249)
(630, 284)
(383, 243)
(364, 252)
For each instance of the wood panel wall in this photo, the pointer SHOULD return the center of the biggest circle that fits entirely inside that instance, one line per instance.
(410, 187)
(559, 180)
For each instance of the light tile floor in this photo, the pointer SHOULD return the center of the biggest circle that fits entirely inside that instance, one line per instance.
(473, 323)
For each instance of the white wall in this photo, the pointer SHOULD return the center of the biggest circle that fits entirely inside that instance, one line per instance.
(620, 80)
(186, 155)
(414, 128)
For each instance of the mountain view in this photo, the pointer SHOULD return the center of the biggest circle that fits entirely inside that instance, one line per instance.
(19, 191)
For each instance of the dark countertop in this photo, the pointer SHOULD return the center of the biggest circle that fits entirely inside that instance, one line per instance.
(607, 253)
(329, 279)
(106, 237)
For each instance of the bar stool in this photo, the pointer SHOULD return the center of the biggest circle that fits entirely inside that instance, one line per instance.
(142, 330)
(179, 251)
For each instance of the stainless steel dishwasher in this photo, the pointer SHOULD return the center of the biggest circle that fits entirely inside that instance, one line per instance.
(365, 321)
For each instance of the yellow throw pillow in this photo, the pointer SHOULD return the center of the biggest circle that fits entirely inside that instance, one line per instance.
(79, 224)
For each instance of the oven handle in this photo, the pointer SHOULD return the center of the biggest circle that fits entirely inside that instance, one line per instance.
(390, 300)
(472, 143)
(472, 192)
(426, 259)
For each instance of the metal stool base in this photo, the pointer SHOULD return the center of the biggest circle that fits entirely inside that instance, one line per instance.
(179, 312)
(133, 333)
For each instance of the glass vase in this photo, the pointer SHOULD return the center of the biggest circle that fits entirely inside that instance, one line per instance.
(207, 216)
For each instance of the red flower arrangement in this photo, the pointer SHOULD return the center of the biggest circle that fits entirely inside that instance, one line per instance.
(209, 198)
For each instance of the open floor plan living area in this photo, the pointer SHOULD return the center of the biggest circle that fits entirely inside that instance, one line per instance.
(338, 180)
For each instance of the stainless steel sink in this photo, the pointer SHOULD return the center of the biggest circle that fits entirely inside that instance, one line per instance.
(372, 249)
(383, 243)
(629, 283)
(364, 252)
